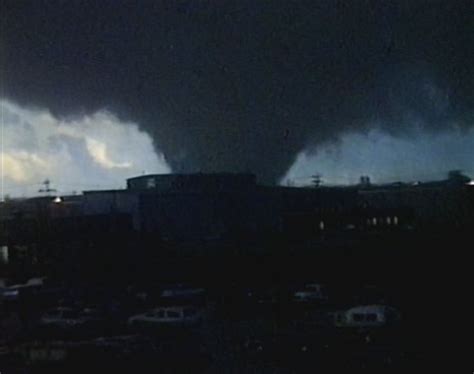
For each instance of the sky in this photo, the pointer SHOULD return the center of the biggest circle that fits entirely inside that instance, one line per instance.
(416, 157)
(283, 89)
(96, 151)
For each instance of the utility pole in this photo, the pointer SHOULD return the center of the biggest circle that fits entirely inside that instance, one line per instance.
(47, 189)
(316, 180)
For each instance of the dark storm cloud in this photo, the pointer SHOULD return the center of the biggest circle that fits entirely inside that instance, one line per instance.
(244, 85)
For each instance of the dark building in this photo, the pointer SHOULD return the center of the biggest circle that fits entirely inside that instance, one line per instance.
(229, 208)
(193, 182)
(423, 205)
(217, 206)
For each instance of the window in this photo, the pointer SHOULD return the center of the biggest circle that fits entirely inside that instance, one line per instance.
(173, 314)
(372, 317)
(150, 183)
(358, 317)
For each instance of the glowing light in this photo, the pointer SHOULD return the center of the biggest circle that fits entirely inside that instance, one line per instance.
(4, 254)
(471, 183)
(57, 200)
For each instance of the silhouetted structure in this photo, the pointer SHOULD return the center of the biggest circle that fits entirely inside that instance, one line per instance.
(217, 209)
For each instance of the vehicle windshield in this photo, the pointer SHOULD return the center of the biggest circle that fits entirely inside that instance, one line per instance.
(69, 314)
(173, 314)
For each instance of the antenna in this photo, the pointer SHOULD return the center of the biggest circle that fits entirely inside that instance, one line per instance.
(47, 189)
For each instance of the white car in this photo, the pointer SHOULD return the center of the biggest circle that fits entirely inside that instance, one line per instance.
(311, 293)
(367, 316)
(169, 316)
(10, 293)
(182, 292)
(63, 317)
(18, 291)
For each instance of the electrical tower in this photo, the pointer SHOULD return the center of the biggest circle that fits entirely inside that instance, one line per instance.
(316, 180)
(47, 188)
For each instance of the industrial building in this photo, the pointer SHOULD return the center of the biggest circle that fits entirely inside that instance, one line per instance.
(217, 208)
(214, 206)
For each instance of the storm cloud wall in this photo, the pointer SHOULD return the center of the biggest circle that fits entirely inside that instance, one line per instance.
(244, 85)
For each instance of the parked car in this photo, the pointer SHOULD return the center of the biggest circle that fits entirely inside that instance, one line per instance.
(66, 318)
(180, 291)
(182, 295)
(35, 290)
(367, 316)
(311, 293)
(168, 316)
(23, 291)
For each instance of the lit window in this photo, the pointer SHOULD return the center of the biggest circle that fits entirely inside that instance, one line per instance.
(150, 183)
(389, 221)
(395, 220)
(321, 225)
(4, 254)
(374, 221)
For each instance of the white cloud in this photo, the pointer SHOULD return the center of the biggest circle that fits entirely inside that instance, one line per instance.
(98, 150)
(19, 165)
(91, 152)
(417, 156)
